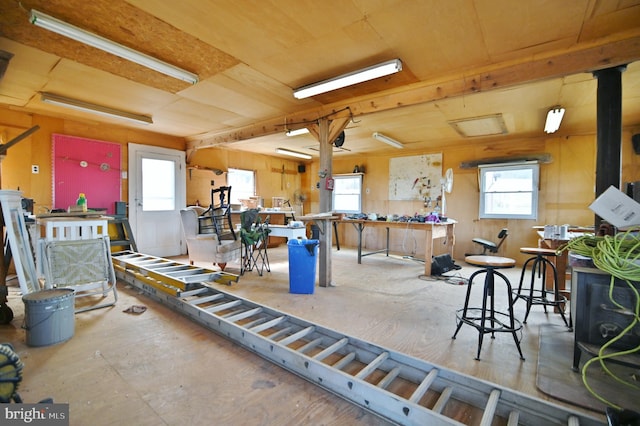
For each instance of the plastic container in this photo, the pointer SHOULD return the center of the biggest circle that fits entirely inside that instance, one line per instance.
(303, 255)
(49, 316)
(82, 202)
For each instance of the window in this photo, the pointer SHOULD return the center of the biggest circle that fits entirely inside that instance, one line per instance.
(509, 191)
(347, 193)
(158, 188)
(242, 183)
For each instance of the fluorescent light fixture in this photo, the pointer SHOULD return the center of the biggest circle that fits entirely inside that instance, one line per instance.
(487, 125)
(297, 132)
(60, 27)
(355, 77)
(293, 153)
(554, 118)
(386, 139)
(52, 99)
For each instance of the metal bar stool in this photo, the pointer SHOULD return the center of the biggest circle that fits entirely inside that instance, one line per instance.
(532, 296)
(486, 319)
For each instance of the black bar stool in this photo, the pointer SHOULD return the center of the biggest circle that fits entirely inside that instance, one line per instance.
(486, 319)
(541, 296)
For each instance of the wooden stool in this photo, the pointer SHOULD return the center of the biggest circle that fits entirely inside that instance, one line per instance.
(486, 319)
(532, 296)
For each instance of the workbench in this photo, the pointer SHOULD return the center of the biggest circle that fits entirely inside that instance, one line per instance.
(432, 230)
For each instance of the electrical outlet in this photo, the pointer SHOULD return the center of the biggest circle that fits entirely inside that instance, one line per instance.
(35, 169)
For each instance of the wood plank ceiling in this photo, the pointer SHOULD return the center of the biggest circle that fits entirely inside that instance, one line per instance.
(461, 59)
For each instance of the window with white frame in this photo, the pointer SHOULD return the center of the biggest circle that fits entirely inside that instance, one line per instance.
(242, 183)
(347, 193)
(158, 187)
(509, 191)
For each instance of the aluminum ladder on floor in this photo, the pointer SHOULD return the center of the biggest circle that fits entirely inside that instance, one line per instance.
(398, 387)
(166, 275)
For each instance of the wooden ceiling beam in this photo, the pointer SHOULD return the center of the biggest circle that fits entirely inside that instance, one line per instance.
(579, 60)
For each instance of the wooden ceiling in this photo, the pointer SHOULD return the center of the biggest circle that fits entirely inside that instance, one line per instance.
(461, 59)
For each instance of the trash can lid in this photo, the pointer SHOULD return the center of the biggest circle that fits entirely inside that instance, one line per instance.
(47, 294)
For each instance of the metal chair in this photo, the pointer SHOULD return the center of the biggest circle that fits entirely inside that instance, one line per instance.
(217, 218)
(491, 246)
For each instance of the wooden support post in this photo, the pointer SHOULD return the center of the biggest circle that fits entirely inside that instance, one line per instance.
(326, 202)
(609, 130)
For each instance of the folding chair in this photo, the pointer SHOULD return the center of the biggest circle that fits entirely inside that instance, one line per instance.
(84, 265)
(254, 235)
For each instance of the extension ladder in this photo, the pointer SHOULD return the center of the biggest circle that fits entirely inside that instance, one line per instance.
(395, 386)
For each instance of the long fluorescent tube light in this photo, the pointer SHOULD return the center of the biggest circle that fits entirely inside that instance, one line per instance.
(554, 118)
(386, 139)
(76, 104)
(355, 77)
(297, 132)
(293, 153)
(57, 26)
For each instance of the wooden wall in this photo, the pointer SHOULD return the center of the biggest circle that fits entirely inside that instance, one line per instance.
(566, 185)
(36, 150)
(275, 177)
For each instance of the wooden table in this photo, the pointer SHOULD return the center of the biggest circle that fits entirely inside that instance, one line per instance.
(287, 232)
(432, 231)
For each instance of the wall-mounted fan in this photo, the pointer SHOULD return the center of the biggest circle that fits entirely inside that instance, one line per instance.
(447, 185)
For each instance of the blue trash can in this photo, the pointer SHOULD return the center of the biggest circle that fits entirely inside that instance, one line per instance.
(302, 265)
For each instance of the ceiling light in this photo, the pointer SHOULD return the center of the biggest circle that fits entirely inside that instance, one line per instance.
(57, 26)
(297, 132)
(487, 125)
(293, 153)
(355, 77)
(52, 99)
(386, 139)
(554, 117)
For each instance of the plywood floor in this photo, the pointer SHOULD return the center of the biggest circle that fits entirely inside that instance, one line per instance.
(161, 368)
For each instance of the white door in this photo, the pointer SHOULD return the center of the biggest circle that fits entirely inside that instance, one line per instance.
(157, 192)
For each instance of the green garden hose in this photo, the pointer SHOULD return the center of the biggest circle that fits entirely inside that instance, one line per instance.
(619, 256)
